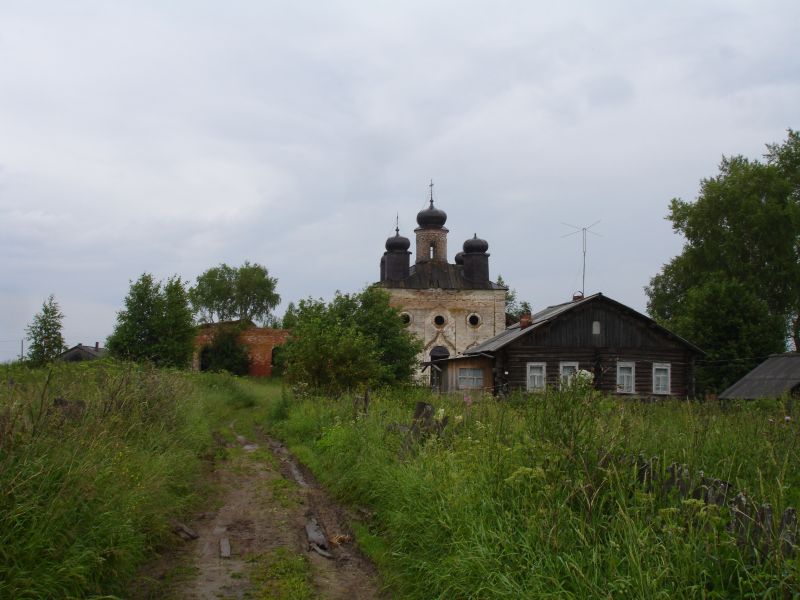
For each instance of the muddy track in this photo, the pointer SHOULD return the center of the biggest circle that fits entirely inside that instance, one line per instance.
(264, 502)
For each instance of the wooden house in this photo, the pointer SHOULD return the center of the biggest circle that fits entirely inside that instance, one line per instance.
(627, 352)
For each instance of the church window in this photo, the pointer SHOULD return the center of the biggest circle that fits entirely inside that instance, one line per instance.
(405, 318)
(474, 320)
(470, 379)
(439, 320)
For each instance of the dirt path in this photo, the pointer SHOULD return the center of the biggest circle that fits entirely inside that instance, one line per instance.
(264, 503)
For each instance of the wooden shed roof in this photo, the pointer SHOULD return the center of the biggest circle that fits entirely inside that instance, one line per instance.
(777, 375)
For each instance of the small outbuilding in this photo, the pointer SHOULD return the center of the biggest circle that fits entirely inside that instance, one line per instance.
(81, 352)
(627, 352)
(776, 376)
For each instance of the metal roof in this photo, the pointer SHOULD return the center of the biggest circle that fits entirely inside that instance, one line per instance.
(550, 313)
(777, 375)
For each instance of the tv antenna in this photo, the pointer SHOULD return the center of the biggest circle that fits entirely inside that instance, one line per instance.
(583, 231)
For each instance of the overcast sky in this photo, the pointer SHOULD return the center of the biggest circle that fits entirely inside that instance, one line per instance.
(167, 137)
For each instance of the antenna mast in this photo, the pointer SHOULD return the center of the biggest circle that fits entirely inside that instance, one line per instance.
(583, 231)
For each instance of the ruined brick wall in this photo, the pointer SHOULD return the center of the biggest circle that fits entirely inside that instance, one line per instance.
(260, 341)
(456, 307)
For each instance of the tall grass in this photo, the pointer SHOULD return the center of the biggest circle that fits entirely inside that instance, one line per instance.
(95, 459)
(516, 500)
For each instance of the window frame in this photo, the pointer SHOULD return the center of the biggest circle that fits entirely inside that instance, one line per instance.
(668, 368)
(473, 378)
(528, 366)
(567, 363)
(623, 364)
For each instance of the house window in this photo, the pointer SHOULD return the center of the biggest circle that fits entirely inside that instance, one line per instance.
(595, 327)
(661, 378)
(470, 379)
(626, 376)
(537, 376)
(567, 371)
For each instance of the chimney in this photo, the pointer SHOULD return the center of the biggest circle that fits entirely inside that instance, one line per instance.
(97, 345)
(525, 321)
(577, 296)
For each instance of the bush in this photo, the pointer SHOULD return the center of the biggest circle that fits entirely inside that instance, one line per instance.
(225, 352)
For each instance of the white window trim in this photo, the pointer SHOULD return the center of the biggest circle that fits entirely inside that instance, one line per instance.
(668, 367)
(528, 376)
(632, 365)
(570, 363)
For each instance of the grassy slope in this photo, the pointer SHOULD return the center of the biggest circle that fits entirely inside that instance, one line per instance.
(511, 501)
(88, 491)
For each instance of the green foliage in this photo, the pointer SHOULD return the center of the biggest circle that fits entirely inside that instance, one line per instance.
(742, 330)
(357, 339)
(225, 293)
(742, 232)
(514, 308)
(156, 324)
(526, 501)
(225, 352)
(44, 333)
(96, 458)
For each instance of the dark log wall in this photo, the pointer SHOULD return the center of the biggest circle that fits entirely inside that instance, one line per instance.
(622, 337)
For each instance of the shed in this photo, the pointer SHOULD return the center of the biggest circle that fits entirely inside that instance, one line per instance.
(778, 375)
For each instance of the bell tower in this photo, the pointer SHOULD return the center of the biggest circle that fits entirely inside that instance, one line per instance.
(431, 234)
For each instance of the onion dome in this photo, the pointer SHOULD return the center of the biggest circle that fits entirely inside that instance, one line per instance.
(397, 243)
(476, 245)
(431, 217)
(460, 258)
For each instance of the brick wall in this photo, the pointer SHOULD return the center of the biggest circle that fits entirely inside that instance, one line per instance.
(260, 341)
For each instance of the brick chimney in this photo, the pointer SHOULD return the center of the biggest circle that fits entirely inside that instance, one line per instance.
(577, 296)
(97, 345)
(525, 321)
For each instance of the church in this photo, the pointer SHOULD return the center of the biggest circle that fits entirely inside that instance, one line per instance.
(452, 307)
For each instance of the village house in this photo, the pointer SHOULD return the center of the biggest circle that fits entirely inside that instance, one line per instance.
(626, 352)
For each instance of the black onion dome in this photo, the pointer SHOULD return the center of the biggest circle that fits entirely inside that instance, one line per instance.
(476, 245)
(397, 243)
(460, 258)
(431, 217)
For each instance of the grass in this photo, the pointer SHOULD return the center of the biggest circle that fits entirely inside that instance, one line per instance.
(96, 460)
(282, 575)
(514, 499)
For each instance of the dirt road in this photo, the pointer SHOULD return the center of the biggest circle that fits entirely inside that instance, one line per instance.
(252, 540)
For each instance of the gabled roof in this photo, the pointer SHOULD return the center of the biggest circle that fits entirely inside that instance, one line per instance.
(779, 374)
(551, 313)
(86, 352)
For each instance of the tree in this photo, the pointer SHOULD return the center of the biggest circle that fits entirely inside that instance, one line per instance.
(44, 333)
(356, 339)
(225, 293)
(742, 236)
(514, 309)
(225, 352)
(156, 324)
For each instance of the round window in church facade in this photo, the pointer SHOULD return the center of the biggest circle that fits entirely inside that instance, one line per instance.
(405, 318)
(439, 321)
(473, 320)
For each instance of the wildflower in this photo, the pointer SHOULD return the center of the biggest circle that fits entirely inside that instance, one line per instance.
(467, 400)
(787, 418)
(459, 418)
(440, 414)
